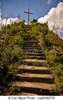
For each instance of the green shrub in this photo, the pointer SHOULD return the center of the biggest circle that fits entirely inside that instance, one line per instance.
(11, 52)
(50, 56)
(14, 89)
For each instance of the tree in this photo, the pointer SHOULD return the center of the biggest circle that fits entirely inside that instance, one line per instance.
(33, 21)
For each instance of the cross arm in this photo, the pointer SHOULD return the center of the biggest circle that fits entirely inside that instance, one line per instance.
(28, 12)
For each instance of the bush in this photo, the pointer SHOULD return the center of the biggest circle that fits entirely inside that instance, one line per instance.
(57, 71)
(50, 56)
(11, 52)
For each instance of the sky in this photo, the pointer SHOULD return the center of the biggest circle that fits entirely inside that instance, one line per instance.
(39, 8)
(54, 19)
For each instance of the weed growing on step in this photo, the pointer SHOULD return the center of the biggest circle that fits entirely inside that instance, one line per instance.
(14, 89)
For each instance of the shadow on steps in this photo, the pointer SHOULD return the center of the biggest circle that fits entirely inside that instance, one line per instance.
(28, 79)
(38, 91)
(20, 71)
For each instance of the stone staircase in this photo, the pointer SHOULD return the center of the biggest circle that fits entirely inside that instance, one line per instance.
(32, 78)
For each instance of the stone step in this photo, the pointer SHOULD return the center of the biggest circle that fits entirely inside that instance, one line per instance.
(48, 76)
(36, 48)
(32, 50)
(33, 69)
(30, 42)
(45, 78)
(29, 46)
(35, 87)
(37, 91)
(32, 46)
(27, 94)
(35, 57)
(29, 38)
(35, 53)
(34, 60)
(27, 34)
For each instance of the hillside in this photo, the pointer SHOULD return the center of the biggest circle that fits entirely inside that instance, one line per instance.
(38, 53)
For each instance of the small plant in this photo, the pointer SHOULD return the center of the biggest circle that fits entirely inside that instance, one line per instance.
(14, 89)
(58, 74)
(50, 56)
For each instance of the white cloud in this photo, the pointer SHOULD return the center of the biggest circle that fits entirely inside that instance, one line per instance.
(12, 20)
(54, 18)
(5, 22)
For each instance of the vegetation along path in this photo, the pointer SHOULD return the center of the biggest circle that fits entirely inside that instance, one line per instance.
(31, 60)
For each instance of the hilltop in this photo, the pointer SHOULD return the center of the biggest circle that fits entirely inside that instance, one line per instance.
(13, 48)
